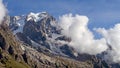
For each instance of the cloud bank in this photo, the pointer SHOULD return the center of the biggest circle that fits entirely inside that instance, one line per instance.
(83, 40)
(2, 11)
(112, 37)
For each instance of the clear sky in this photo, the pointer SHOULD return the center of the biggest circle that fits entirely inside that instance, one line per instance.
(101, 13)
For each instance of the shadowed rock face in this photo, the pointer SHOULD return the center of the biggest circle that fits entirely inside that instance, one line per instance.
(23, 38)
(2, 42)
(11, 50)
(67, 50)
(39, 31)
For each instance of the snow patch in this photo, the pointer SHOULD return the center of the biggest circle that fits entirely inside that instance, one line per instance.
(75, 54)
(22, 47)
(36, 16)
(20, 21)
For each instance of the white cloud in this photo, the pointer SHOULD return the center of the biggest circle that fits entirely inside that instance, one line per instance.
(112, 37)
(2, 11)
(82, 38)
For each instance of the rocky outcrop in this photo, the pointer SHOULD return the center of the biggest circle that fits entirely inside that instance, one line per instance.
(10, 51)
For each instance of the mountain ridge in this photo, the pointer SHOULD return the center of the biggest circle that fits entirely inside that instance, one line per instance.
(44, 38)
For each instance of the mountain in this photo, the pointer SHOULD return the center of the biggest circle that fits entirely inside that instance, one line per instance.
(40, 31)
(35, 41)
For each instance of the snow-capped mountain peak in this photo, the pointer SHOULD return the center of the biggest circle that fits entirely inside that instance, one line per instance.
(17, 22)
(36, 16)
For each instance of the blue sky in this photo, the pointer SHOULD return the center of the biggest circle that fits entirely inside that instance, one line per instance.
(101, 13)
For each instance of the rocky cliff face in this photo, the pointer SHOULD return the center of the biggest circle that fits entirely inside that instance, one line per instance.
(10, 50)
